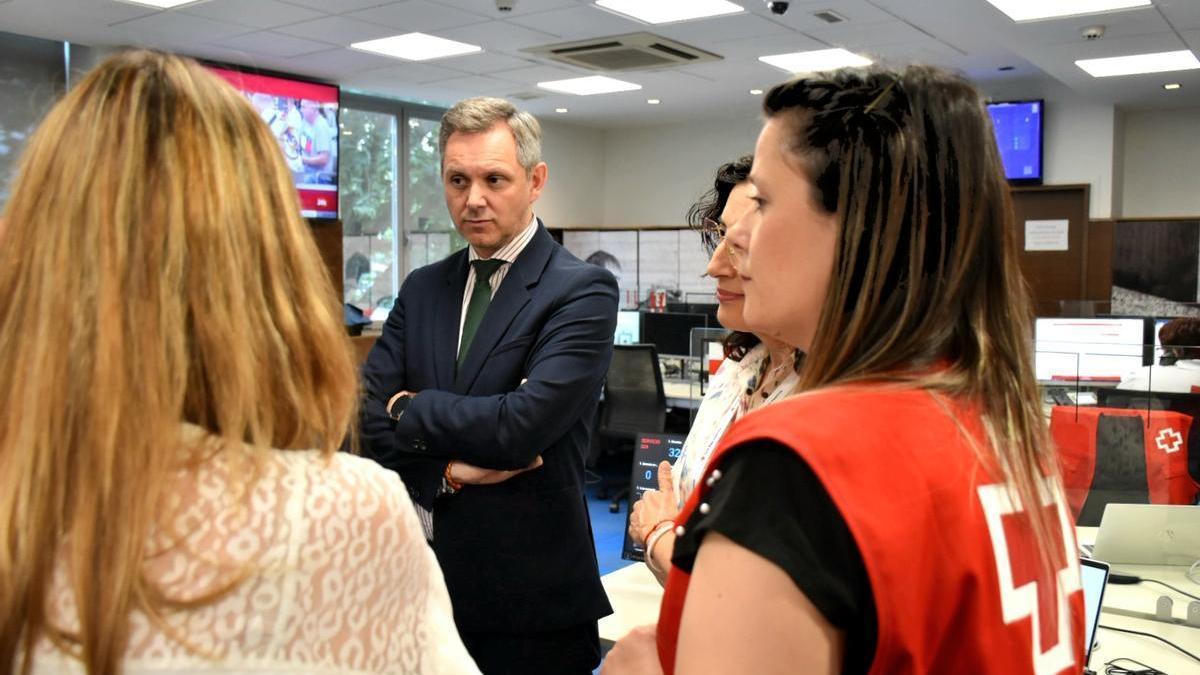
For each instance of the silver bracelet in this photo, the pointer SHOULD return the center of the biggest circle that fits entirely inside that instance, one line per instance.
(657, 534)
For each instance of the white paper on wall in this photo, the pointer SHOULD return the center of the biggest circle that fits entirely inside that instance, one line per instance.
(1047, 235)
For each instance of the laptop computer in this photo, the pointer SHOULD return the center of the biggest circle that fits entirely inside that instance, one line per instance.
(1095, 579)
(1149, 534)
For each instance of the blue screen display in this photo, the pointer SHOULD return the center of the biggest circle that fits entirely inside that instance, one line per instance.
(1018, 127)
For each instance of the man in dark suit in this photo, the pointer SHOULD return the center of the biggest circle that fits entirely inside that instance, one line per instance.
(481, 392)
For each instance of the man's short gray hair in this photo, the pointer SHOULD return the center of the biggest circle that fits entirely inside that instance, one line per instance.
(476, 115)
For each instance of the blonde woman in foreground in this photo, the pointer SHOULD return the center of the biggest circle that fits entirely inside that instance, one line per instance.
(177, 384)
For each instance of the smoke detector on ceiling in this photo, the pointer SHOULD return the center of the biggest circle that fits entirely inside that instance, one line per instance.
(633, 51)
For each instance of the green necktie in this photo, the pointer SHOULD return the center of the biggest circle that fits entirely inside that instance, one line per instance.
(481, 295)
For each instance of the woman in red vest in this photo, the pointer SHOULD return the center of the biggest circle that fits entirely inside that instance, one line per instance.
(903, 513)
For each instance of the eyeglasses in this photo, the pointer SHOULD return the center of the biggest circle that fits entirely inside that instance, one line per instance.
(737, 254)
(711, 234)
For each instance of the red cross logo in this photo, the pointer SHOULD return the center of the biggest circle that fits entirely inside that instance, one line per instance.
(1024, 593)
(1169, 440)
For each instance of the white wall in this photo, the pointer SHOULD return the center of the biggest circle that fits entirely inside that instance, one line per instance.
(1080, 139)
(1138, 164)
(653, 174)
(1161, 171)
(574, 195)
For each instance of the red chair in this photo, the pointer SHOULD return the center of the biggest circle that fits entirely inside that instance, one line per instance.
(1121, 455)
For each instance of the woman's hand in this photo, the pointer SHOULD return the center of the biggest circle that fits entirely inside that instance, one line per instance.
(634, 654)
(655, 506)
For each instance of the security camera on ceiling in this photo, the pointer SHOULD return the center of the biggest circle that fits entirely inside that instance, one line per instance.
(506, 5)
(777, 7)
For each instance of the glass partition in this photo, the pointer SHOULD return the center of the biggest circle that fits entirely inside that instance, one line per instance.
(1123, 413)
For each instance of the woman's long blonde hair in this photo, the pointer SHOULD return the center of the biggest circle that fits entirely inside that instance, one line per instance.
(927, 288)
(155, 270)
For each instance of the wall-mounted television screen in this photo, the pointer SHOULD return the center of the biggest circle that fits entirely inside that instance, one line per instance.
(303, 115)
(1019, 128)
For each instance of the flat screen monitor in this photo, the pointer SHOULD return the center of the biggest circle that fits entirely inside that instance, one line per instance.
(671, 332)
(1018, 127)
(629, 327)
(1088, 350)
(303, 116)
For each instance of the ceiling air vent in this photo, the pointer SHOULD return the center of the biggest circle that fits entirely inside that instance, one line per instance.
(525, 95)
(829, 16)
(635, 51)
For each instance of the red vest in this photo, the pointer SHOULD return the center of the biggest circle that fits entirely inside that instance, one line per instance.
(954, 571)
(1164, 442)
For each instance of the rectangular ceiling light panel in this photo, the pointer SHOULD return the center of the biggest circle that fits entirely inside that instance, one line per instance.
(416, 47)
(1137, 64)
(1034, 10)
(815, 61)
(586, 86)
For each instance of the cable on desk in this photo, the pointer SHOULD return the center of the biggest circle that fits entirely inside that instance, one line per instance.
(1179, 591)
(1111, 668)
(1121, 578)
(1151, 635)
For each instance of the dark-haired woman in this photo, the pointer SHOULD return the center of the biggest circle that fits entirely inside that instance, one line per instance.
(755, 372)
(903, 513)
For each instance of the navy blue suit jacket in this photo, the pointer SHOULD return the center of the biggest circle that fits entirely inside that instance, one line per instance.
(517, 556)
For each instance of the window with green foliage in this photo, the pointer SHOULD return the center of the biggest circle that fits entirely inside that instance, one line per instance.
(394, 217)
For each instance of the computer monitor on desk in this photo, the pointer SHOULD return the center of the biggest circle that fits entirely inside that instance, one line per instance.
(629, 327)
(671, 332)
(1099, 351)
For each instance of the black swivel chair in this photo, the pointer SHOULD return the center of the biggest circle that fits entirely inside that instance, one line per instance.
(634, 403)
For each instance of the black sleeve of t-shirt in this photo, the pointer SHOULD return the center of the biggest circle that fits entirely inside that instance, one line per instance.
(768, 500)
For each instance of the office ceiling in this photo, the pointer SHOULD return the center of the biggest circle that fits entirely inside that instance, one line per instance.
(311, 37)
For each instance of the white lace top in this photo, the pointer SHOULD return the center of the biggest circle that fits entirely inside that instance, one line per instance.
(340, 580)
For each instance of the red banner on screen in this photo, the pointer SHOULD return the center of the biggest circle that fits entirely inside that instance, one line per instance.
(278, 86)
(318, 203)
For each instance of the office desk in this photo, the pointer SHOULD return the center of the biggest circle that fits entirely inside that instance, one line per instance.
(682, 394)
(635, 596)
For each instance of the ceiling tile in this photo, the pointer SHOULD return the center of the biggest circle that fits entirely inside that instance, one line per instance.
(488, 7)
(175, 28)
(1184, 15)
(336, 6)
(273, 44)
(762, 46)
(800, 14)
(499, 36)
(723, 28)
(476, 85)
(336, 63)
(256, 14)
(541, 74)
(338, 30)
(418, 15)
(869, 37)
(579, 23)
(408, 73)
(489, 62)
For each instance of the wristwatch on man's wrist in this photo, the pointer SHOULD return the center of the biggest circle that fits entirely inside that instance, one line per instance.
(396, 408)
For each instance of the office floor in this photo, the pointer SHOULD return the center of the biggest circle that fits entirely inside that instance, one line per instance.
(608, 529)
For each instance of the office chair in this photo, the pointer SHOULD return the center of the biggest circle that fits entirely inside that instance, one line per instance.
(1126, 456)
(1187, 404)
(634, 403)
